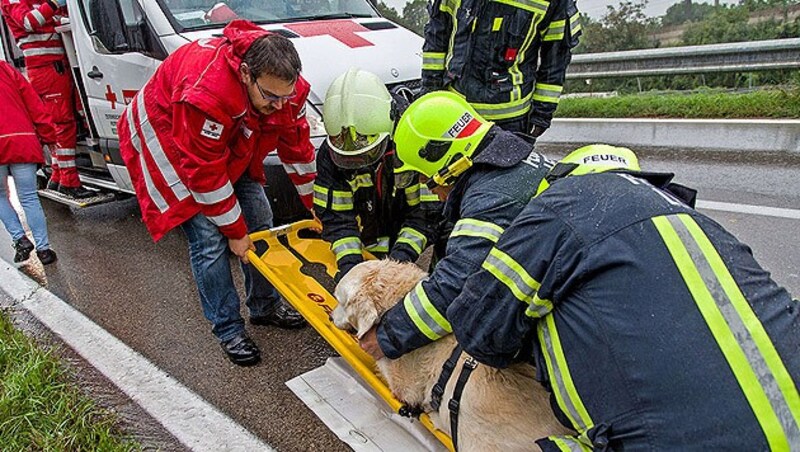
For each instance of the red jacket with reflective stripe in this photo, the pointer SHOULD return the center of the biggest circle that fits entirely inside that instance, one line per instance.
(33, 27)
(25, 119)
(191, 132)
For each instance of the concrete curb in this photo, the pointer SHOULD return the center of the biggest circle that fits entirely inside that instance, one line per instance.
(742, 135)
(194, 422)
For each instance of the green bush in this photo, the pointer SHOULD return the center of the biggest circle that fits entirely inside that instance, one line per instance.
(710, 104)
(40, 410)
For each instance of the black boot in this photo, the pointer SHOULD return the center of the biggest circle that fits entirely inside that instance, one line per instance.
(241, 350)
(47, 256)
(283, 317)
(76, 192)
(23, 248)
(53, 185)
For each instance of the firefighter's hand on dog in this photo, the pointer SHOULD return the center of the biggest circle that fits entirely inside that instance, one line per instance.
(241, 246)
(369, 343)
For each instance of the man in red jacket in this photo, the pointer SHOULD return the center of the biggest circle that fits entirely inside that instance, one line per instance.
(25, 126)
(194, 139)
(33, 24)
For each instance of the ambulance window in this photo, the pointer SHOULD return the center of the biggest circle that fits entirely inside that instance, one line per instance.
(119, 26)
(198, 14)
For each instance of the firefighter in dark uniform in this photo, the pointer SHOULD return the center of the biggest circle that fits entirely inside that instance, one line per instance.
(487, 175)
(354, 194)
(656, 328)
(508, 58)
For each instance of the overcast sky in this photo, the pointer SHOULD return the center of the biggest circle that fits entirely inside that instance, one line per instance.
(596, 8)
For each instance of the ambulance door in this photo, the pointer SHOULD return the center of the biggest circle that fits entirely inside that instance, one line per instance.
(117, 53)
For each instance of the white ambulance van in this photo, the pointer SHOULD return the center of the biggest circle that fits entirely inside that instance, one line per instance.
(114, 47)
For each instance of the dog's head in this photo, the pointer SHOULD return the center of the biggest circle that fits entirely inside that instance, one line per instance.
(368, 290)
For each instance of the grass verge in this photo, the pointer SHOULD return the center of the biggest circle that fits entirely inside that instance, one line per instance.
(40, 410)
(772, 104)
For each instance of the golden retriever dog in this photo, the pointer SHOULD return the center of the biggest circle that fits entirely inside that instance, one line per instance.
(501, 409)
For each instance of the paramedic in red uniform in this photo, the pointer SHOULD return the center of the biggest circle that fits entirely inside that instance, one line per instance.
(33, 25)
(194, 139)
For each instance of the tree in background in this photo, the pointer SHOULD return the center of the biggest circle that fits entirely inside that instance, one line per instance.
(414, 17)
(680, 13)
(415, 14)
(625, 27)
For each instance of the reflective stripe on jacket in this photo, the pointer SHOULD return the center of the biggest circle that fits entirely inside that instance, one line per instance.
(489, 52)
(34, 28)
(655, 327)
(361, 209)
(483, 202)
(180, 170)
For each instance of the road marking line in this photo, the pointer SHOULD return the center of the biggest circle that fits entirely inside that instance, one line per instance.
(194, 422)
(793, 214)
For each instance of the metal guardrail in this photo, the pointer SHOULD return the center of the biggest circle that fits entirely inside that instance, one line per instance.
(730, 57)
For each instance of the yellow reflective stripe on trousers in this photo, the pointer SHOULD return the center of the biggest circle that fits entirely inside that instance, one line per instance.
(750, 353)
(569, 444)
(433, 61)
(534, 6)
(519, 282)
(412, 238)
(427, 319)
(555, 32)
(547, 93)
(470, 227)
(381, 245)
(560, 378)
(346, 246)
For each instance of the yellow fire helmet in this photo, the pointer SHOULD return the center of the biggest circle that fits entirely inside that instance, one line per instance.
(437, 136)
(595, 158)
(357, 115)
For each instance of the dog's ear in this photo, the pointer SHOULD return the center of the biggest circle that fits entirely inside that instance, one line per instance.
(364, 311)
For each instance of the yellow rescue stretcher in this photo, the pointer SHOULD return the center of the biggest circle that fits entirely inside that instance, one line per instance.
(288, 264)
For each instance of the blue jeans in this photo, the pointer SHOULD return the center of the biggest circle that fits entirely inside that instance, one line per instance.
(24, 175)
(209, 257)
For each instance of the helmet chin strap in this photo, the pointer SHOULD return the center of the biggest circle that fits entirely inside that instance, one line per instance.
(450, 173)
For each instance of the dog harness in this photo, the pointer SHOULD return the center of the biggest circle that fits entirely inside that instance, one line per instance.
(454, 404)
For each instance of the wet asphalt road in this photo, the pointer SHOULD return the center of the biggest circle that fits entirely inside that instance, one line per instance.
(144, 294)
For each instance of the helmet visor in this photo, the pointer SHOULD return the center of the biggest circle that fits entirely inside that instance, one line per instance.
(353, 150)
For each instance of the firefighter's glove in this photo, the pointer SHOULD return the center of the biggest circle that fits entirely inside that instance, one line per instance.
(403, 254)
(537, 130)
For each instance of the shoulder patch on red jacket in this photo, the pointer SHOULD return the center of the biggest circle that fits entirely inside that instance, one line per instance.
(212, 129)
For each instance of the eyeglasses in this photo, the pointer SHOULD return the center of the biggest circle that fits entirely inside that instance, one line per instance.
(269, 97)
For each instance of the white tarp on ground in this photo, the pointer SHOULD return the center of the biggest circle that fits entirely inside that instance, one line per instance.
(359, 417)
